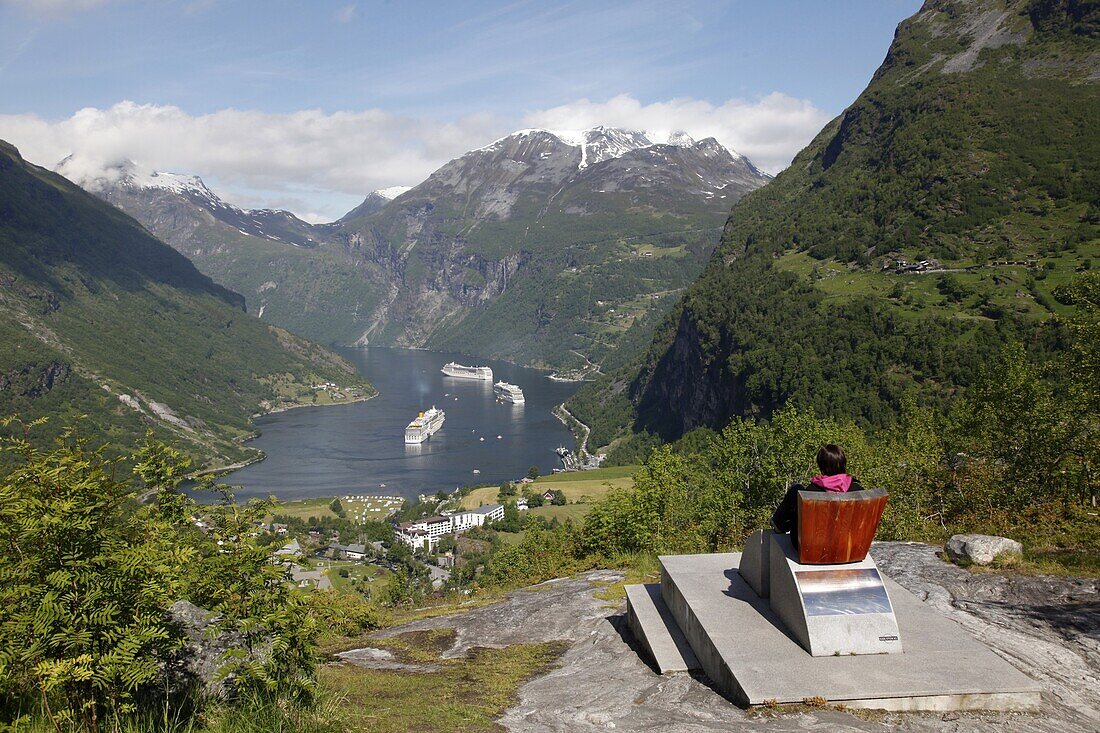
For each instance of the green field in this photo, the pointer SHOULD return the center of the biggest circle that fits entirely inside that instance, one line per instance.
(578, 486)
(611, 472)
(575, 512)
(367, 579)
(1028, 292)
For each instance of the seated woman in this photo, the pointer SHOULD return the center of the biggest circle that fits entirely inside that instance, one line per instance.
(831, 461)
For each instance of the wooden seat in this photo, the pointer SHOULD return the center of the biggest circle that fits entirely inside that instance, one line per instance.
(837, 527)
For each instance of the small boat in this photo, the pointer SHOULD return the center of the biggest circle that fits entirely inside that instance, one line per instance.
(477, 470)
(498, 437)
(481, 439)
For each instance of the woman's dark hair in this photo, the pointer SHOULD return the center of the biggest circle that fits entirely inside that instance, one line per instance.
(831, 460)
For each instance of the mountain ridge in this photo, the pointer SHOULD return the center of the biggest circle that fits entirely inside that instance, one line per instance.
(407, 266)
(128, 176)
(475, 242)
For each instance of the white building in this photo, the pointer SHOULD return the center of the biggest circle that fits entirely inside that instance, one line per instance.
(466, 520)
(434, 527)
(490, 513)
(476, 517)
(437, 526)
(413, 536)
(426, 532)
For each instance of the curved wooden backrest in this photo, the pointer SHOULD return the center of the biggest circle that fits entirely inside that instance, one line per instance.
(837, 528)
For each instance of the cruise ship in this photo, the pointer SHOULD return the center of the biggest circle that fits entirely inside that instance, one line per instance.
(508, 392)
(451, 369)
(424, 425)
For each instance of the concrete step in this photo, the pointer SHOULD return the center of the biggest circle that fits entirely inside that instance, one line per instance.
(655, 629)
(748, 653)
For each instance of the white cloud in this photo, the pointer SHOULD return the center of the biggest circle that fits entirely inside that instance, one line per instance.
(320, 165)
(255, 156)
(769, 131)
(345, 13)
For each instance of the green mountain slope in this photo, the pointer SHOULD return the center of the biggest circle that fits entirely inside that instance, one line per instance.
(974, 150)
(100, 318)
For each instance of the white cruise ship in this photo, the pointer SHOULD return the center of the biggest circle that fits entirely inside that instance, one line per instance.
(451, 369)
(424, 425)
(508, 392)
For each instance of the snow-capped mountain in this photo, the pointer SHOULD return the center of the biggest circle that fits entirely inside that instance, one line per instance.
(392, 192)
(550, 167)
(600, 143)
(165, 201)
(375, 200)
(539, 247)
(505, 250)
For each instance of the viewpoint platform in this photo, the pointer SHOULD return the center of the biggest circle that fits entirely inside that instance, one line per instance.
(769, 627)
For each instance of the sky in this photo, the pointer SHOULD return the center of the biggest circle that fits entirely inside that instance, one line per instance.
(309, 106)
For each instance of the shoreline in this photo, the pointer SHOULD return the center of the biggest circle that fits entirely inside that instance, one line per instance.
(288, 408)
(562, 413)
(222, 470)
(219, 470)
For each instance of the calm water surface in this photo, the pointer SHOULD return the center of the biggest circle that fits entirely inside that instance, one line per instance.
(356, 448)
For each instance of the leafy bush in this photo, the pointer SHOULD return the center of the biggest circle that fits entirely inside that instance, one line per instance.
(542, 554)
(87, 573)
(85, 579)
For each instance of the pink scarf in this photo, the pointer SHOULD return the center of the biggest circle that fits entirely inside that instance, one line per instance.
(838, 482)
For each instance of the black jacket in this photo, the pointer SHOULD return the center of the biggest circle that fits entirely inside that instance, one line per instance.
(786, 514)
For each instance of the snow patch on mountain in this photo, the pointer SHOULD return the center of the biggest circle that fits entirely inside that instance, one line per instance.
(680, 139)
(601, 143)
(392, 192)
(104, 178)
(97, 176)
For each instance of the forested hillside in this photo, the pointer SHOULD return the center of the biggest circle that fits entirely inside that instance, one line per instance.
(99, 318)
(928, 225)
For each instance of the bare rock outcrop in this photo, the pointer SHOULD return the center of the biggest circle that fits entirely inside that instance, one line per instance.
(1049, 627)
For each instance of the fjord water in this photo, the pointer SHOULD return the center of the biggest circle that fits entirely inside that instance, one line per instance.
(356, 448)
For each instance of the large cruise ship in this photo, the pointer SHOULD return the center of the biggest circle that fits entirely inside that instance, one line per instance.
(508, 392)
(451, 369)
(426, 423)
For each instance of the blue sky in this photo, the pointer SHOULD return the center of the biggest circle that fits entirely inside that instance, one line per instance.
(409, 85)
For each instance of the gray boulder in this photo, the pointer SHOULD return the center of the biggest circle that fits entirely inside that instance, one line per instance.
(198, 664)
(980, 549)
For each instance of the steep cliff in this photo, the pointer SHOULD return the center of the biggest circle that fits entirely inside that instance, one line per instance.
(929, 223)
(300, 276)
